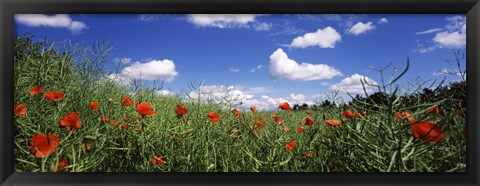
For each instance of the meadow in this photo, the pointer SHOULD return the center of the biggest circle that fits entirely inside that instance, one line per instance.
(69, 118)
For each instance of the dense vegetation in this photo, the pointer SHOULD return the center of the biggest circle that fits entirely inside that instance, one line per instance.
(70, 118)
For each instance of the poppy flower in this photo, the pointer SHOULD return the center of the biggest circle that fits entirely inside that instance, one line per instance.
(236, 112)
(333, 122)
(127, 101)
(363, 115)
(94, 105)
(260, 123)
(145, 109)
(54, 96)
(433, 109)
(71, 121)
(180, 111)
(309, 155)
(125, 126)
(348, 114)
(284, 106)
(115, 123)
(286, 129)
(278, 120)
(105, 119)
(427, 131)
(87, 146)
(20, 110)
(213, 117)
(309, 121)
(36, 90)
(253, 108)
(300, 129)
(43, 145)
(158, 160)
(291, 145)
(62, 163)
(139, 128)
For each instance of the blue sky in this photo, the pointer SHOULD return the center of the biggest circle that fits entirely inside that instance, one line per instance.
(262, 60)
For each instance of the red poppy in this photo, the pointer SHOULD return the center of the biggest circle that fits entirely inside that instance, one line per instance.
(348, 114)
(87, 146)
(213, 117)
(405, 115)
(309, 121)
(300, 129)
(94, 105)
(180, 111)
(433, 109)
(36, 90)
(333, 122)
(59, 95)
(115, 123)
(284, 106)
(278, 120)
(127, 101)
(427, 131)
(309, 155)
(125, 126)
(145, 109)
(71, 121)
(291, 145)
(158, 160)
(20, 110)
(62, 163)
(236, 112)
(253, 108)
(54, 96)
(42, 146)
(260, 123)
(105, 119)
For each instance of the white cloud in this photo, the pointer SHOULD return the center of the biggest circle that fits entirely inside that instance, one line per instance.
(453, 36)
(263, 26)
(283, 67)
(297, 98)
(433, 30)
(222, 20)
(119, 79)
(165, 93)
(361, 28)
(259, 90)
(152, 70)
(324, 38)
(256, 68)
(353, 85)
(444, 71)
(383, 21)
(56, 21)
(232, 69)
(123, 61)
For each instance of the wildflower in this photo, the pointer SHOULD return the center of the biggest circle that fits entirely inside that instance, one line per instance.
(333, 122)
(139, 128)
(286, 129)
(260, 123)
(309, 121)
(36, 90)
(105, 119)
(125, 126)
(427, 131)
(71, 121)
(309, 155)
(158, 160)
(115, 123)
(213, 117)
(348, 114)
(94, 105)
(300, 129)
(44, 145)
(62, 163)
(20, 110)
(180, 111)
(405, 115)
(433, 109)
(253, 108)
(87, 146)
(145, 109)
(236, 112)
(54, 96)
(278, 120)
(291, 145)
(284, 106)
(127, 101)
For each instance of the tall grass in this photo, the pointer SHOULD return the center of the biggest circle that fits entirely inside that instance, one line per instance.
(192, 143)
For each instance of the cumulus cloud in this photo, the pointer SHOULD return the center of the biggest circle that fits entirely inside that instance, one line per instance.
(152, 70)
(297, 97)
(353, 85)
(263, 26)
(165, 93)
(283, 67)
(361, 28)
(118, 79)
(452, 36)
(323, 38)
(232, 69)
(56, 21)
(222, 20)
(383, 21)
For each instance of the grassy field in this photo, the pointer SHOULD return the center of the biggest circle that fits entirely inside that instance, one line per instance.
(123, 135)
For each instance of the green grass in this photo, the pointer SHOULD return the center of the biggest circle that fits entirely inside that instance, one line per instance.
(378, 143)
